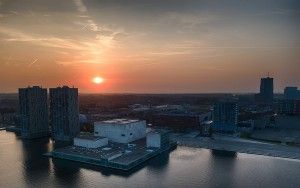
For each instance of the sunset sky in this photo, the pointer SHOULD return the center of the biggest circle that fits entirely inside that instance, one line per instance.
(149, 46)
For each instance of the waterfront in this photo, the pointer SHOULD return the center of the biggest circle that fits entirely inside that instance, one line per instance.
(22, 165)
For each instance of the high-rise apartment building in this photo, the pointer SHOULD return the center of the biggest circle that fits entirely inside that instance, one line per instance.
(266, 94)
(33, 112)
(225, 116)
(64, 113)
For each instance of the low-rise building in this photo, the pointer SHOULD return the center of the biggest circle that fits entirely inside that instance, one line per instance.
(177, 122)
(121, 130)
(292, 93)
(246, 126)
(289, 107)
(90, 141)
(158, 138)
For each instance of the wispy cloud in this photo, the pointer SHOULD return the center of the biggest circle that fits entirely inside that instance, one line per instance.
(13, 35)
(88, 49)
(32, 63)
(80, 6)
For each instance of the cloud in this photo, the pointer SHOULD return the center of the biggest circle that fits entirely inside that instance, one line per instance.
(85, 51)
(82, 9)
(32, 63)
(18, 36)
(80, 6)
(88, 47)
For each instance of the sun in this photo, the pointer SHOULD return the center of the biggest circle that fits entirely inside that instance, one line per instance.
(98, 80)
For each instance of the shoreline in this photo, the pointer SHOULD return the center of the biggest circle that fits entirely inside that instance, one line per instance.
(258, 148)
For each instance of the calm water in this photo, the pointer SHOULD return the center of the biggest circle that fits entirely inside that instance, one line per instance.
(21, 165)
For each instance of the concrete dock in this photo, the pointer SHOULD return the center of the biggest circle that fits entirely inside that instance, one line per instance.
(116, 156)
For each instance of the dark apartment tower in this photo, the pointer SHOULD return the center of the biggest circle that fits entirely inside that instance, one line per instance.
(64, 113)
(266, 94)
(225, 116)
(33, 112)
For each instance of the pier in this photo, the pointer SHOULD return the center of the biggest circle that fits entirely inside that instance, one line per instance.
(116, 156)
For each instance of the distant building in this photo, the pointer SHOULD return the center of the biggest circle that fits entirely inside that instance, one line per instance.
(225, 116)
(292, 93)
(33, 112)
(82, 119)
(181, 121)
(121, 130)
(286, 122)
(177, 122)
(206, 128)
(64, 113)
(289, 107)
(246, 126)
(266, 94)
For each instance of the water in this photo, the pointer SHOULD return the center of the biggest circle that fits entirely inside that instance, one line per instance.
(22, 165)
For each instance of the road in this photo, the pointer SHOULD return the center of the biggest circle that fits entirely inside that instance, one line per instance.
(239, 145)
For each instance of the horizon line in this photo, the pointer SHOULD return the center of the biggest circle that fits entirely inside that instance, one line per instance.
(158, 93)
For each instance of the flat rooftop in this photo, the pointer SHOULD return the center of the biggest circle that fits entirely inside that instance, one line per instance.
(114, 155)
(159, 131)
(119, 121)
(121, 153)
(88, 136)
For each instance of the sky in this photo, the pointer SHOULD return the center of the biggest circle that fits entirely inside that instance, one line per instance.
(149, 46)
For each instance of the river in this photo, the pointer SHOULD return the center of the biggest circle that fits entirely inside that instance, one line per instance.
(23, 165)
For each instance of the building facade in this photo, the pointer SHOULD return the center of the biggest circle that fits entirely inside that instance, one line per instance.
(90, 141)
(121, 130)
(33, 112)
(289, 107)
(291, 93)
(266, 94)
(64, 113)
(225, 116)
(158, 138)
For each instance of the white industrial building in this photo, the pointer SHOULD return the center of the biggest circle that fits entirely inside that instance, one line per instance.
(121, 130)
(90, 141)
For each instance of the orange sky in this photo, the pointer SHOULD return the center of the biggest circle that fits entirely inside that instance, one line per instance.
(149, 46)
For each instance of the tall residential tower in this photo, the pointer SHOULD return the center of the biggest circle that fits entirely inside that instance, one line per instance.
(266, 94)
(225, 116)
(33, 112)
(64, 113)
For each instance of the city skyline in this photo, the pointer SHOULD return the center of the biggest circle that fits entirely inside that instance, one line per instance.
(149, 47)
(149, 93)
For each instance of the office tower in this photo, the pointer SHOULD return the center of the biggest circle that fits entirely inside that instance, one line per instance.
(33, 112)
(266, 94)
(225, 116)
(292, 93)
(64, 113)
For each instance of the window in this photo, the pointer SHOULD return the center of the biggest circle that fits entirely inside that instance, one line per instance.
(122, 134)
(130, 134)
(96, 132)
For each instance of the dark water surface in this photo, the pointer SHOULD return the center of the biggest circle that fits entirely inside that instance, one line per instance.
(22, 165)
